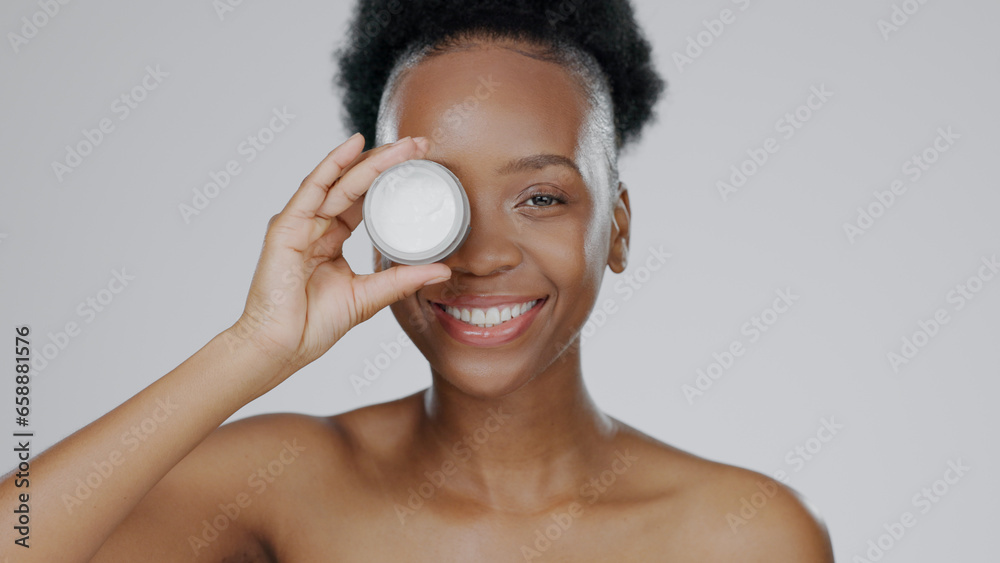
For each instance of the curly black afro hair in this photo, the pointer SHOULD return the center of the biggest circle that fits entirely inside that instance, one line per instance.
(381, 31)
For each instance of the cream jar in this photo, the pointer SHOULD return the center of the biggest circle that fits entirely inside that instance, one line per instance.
(417, 212)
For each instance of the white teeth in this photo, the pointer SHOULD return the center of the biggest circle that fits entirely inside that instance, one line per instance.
(492, 316)
(478, 317)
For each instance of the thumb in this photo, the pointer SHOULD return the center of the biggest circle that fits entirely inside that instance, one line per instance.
(372, 292)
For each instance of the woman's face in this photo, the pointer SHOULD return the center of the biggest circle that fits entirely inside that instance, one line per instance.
(509, 126)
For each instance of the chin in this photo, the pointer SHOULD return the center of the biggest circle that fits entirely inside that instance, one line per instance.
(482, 381)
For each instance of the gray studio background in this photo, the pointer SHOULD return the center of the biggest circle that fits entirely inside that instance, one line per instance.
(823, 362)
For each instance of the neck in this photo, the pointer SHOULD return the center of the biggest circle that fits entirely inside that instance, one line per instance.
(525, 450)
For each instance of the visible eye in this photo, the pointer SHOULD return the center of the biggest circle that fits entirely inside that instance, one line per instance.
(544, 200)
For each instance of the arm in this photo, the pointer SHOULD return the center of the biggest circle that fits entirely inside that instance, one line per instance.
(303, 298)
(87, 484)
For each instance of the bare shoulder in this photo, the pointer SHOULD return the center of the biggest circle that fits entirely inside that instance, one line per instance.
(297, 455)
(711, 511)
(213, 504)
(756, 518)
(305, 444)
(237, 494)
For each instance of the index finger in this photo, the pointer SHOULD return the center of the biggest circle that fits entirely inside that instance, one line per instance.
(313, 190)
(355, 182)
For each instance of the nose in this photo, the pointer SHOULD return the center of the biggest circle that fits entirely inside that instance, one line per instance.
(491, 247)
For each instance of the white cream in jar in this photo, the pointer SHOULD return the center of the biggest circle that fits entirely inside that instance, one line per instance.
(416, 212)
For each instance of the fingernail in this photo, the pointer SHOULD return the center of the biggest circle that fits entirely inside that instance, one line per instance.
(349, 139)
(400, 141)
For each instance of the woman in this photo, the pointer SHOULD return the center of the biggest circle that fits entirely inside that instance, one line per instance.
(505, 457)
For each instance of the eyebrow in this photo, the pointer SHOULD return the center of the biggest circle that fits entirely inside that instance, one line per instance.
(537, 162)
(528, 163)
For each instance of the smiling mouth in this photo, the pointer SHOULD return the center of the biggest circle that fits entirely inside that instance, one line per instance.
(489, 316)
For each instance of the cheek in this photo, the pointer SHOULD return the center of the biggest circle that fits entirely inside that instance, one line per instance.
(413, 318)
(569, 252)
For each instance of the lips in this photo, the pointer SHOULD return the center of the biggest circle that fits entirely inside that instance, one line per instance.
(487, 321)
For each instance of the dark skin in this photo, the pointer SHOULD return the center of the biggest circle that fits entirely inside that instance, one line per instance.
(507, 444)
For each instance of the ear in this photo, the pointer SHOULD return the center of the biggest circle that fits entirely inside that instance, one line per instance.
(620, 228)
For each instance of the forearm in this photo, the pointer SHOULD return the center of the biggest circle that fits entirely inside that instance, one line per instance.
(84, 486)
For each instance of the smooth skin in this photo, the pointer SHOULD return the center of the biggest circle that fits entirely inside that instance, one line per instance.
(504, 449)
